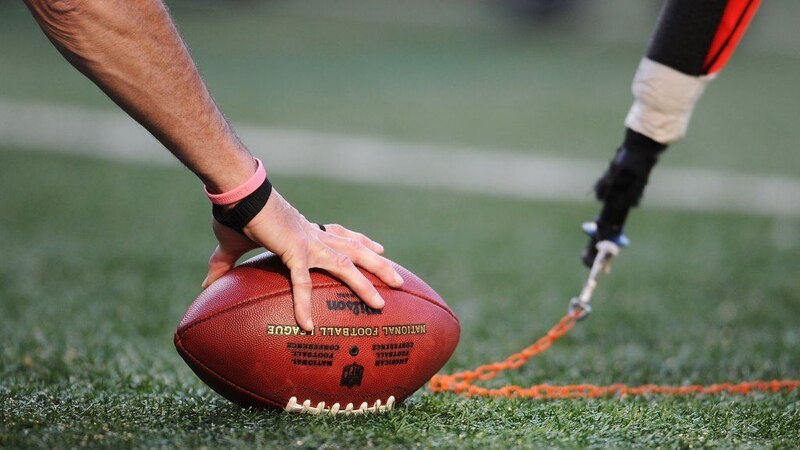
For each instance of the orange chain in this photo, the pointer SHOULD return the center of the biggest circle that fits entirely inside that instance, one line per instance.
(462, 382)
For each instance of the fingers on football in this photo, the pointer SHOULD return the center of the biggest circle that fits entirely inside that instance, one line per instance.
(221, 261)
(301, 296)
(232, 246)
(338, 230)
(363, 256)
(342, 267)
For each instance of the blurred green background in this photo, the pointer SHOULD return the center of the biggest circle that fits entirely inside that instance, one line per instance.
(456, 72)
(101, 258)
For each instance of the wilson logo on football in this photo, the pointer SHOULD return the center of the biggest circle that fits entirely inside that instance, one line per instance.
(356, 307)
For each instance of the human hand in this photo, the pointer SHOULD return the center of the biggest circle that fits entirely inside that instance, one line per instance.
(302, 245)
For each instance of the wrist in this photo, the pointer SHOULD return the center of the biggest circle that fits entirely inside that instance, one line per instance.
(231, 174)
(255, 178)
(237, 207)
(243, 212)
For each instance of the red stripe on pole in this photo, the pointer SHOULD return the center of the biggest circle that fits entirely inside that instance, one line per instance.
(734, 23)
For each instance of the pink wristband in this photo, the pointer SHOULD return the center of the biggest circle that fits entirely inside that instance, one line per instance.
(243, 190)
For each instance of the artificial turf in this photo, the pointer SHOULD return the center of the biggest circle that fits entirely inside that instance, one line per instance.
(101, 259)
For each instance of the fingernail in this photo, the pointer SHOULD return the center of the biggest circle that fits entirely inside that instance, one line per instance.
(379, 301)
(309, 325)
(204, 284)
(398, 279)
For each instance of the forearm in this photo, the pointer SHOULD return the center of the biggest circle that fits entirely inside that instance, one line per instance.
(131, 49)
(133, 52)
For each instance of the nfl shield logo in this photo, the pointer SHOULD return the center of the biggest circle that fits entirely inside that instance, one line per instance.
(351, 375)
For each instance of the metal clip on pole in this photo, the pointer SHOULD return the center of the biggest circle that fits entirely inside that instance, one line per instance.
(606, 251)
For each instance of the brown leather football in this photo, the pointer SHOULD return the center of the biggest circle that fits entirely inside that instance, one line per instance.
(240, 337)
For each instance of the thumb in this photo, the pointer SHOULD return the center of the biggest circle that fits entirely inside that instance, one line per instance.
(219, 264)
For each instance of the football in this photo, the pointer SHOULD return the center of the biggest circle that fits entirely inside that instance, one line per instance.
(240, 337)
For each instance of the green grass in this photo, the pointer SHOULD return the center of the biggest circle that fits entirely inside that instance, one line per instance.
(101, 260)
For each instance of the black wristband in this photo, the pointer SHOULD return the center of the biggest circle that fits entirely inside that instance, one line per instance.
(237, 217)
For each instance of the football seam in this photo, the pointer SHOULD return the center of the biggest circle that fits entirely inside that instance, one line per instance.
(230, 383)
(241, 304)
(244, 303)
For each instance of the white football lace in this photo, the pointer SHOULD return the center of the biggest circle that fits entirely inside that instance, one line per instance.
(336, 408)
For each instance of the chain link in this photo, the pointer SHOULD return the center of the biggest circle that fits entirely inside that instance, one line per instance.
(462, 383)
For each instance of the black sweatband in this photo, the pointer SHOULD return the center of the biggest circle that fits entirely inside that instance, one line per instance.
(237, 217)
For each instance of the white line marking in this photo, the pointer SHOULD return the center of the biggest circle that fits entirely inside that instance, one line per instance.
(374, 160)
